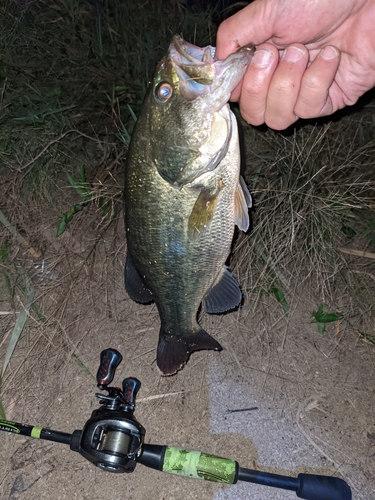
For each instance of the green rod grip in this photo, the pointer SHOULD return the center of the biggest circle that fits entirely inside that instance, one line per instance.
(200, 465)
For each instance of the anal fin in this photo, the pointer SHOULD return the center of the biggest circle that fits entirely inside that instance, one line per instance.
(224, 295)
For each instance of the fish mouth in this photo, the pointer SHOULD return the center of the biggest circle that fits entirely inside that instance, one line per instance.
(200, 73)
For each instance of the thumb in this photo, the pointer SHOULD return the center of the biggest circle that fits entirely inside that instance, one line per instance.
(253, 24)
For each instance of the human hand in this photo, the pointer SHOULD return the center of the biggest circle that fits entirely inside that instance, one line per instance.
(312, 58)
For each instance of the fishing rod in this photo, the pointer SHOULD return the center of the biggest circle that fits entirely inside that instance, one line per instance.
(113, 440)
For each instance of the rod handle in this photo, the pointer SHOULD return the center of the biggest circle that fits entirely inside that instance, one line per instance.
(187, 463)
(315, 487)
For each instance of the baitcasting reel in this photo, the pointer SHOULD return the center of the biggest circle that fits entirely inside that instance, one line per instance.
(113, 440)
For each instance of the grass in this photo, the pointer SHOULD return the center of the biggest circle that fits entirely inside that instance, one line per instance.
(72, 79)
(314, 192)
(83, 66)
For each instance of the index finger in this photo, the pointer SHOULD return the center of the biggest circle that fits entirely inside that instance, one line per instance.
(253, 24)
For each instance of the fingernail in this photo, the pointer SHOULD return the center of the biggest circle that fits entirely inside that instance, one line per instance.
(262, 58)
(293, 54)
(329, 53)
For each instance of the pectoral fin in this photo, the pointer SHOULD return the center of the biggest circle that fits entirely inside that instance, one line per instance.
(242, 202)
(134, 284)
(224, 295)
(203, 211)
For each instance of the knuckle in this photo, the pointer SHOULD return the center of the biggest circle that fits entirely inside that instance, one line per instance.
(285, 84)
(312, 83)
(311, 99)
(305, 107)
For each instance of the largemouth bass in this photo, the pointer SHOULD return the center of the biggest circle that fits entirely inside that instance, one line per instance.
(184, 195)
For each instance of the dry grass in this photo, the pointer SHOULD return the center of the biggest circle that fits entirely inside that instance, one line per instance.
(314, 192)
(72, 78)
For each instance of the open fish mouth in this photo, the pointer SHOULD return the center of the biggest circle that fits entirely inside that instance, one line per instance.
(198, 71)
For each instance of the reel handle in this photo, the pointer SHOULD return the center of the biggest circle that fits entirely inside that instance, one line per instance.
(109, 361)
(130, 387)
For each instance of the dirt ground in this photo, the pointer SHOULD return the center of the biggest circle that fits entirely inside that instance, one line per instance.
(312, 396)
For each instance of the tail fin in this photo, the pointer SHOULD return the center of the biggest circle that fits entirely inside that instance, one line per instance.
(173, 351)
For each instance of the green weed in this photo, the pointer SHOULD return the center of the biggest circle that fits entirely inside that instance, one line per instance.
(87, 195)
(35, 107)
(322, 317)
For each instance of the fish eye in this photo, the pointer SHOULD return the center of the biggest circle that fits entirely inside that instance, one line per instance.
(164, 91)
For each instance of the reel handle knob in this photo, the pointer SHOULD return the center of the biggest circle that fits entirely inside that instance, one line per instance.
(130, 387)
(109, 361)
